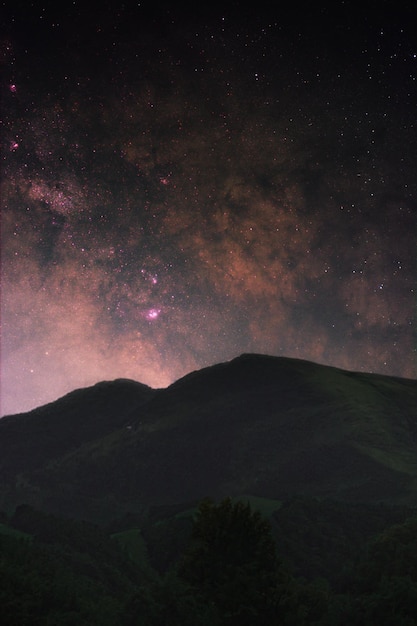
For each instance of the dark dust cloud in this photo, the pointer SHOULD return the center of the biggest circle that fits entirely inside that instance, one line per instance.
(180, 187)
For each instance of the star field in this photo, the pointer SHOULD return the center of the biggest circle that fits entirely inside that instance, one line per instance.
(181, 187)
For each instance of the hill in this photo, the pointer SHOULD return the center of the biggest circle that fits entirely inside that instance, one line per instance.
(266, 426)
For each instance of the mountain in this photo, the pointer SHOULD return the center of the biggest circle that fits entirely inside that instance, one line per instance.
(261, 425)
(30, 440)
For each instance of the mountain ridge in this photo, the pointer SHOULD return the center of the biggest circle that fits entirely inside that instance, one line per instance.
(268, 426)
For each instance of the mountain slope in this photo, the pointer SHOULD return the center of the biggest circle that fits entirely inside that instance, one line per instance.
(268, 426)
(30, 440)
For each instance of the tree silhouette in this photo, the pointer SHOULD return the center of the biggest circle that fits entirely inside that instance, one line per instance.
(231, 561)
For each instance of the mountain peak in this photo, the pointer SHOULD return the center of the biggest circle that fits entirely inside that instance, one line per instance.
(268, 426)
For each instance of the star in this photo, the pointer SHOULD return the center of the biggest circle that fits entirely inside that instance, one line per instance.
(157, 219)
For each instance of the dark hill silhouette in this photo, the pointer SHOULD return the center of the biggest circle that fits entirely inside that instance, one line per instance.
(31, 440)
(267, 426)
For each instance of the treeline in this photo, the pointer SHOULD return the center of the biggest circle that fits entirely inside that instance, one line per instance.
(221, 564)
(60, 572)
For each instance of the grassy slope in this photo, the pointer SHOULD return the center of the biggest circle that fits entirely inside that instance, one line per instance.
(133, 545)
(29, 440)
(265, 426)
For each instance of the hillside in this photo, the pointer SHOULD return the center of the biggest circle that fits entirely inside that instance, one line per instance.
(267, 426)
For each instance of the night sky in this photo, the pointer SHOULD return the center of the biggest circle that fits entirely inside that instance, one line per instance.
(180, 187)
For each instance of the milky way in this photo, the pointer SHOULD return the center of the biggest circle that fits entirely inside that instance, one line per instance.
(178, 189)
